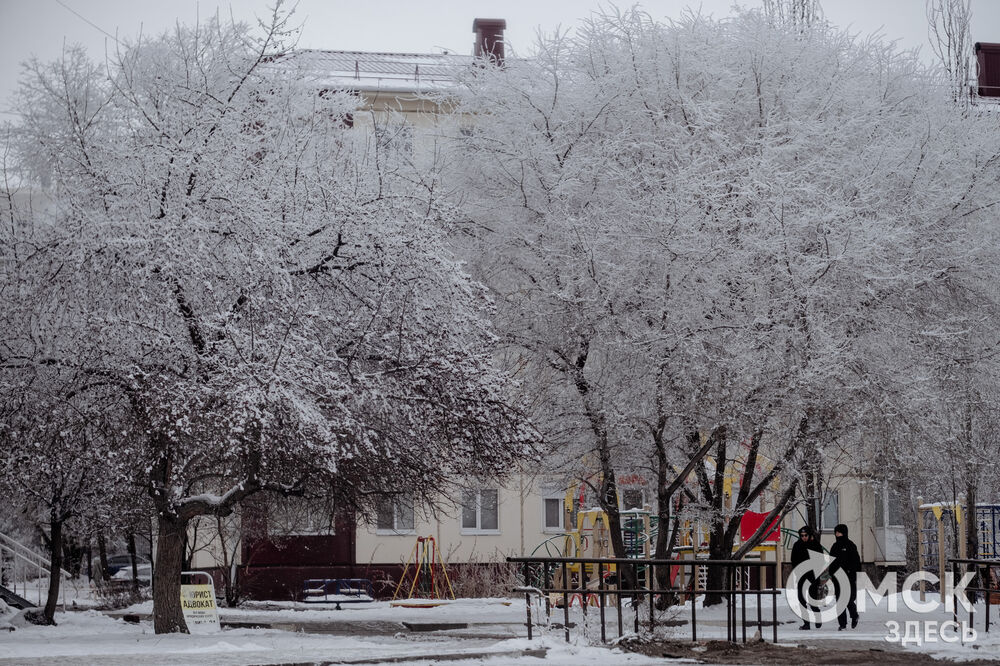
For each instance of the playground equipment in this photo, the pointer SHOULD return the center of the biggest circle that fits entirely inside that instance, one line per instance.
(429, 577)
(940, 522)
(589, 537)
(587, 534)
(944, 528)
(988, 525)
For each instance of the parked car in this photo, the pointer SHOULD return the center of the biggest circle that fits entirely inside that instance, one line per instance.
(144, 571)
(117, 563)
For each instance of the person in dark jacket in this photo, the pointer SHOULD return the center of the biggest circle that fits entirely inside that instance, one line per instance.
(846, 558)
(800, 553)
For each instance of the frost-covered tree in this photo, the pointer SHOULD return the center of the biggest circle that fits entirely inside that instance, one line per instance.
(59, 461)
(949, 29)
(716, 228)
(800, 14)
(276, 308)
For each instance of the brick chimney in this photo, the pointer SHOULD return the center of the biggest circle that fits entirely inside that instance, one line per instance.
(489, 38)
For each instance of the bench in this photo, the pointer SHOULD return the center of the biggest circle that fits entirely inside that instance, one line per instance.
(337, 591)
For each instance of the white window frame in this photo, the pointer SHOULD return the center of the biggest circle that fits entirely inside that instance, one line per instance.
(885, 503)
(478, 492)
(831, 495)
(396, 504)
(548, 529)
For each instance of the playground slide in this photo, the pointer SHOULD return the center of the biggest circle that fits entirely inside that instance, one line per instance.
(14, 600)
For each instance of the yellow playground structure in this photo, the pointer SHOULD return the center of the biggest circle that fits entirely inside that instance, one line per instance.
(587, 536)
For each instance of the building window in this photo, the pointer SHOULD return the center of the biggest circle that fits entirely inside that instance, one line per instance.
(394, 516)
(829, 516)
(553, 514)
(896, 508)
(481, 511)
(888, 508)
(296, 516)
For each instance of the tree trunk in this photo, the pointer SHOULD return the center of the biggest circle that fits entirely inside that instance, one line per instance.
(718, 549)
(167, 615)
(130, 544)
(663, 573)
(972, 530)
(609, 503)
(911, 527)
(663, 549)
(663, 498)
(56, 557)
(812, 502)
(665, 493)
(227, 571)
(102, 551)
(715, 576)
(811, 482)
(72, 554)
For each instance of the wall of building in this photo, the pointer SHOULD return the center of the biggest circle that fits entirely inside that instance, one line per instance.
(519, 528)
(877, 544)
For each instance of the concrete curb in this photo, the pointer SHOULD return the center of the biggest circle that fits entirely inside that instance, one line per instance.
(538, 653)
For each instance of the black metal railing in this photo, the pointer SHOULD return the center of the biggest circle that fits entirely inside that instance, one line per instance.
(600, 579)
(989, 584)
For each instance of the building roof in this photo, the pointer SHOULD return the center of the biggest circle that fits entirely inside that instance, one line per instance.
(385, 72)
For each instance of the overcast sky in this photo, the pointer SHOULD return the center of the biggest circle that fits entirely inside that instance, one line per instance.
(41, 27)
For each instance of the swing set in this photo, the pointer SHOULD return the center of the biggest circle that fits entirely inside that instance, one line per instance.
(428, 578)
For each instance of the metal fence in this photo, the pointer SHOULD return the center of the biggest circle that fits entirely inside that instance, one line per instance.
(987, 572)
(600, 581)
(21, 567)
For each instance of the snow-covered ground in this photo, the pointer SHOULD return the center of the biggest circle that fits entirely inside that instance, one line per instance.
(495, 632)
(359, 634)
(873, 628)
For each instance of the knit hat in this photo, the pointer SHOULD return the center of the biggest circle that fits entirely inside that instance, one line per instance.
(842, 528)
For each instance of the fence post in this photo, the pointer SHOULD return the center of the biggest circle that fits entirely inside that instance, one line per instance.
(941, 560)
(635, 595)
(989, 593)
(954, 595)
(547, 579)
(774, 605)
(732, 598)
(527, 604)
(600, 586)
(565, 602)
(527, 595)
(761, 576)
(920, 550)
(694, 605)
(650, 577)
(621, 605)
(744, 576)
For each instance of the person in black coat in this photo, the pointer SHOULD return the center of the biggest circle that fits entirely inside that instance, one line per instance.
(846, 558)
(800, 553)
